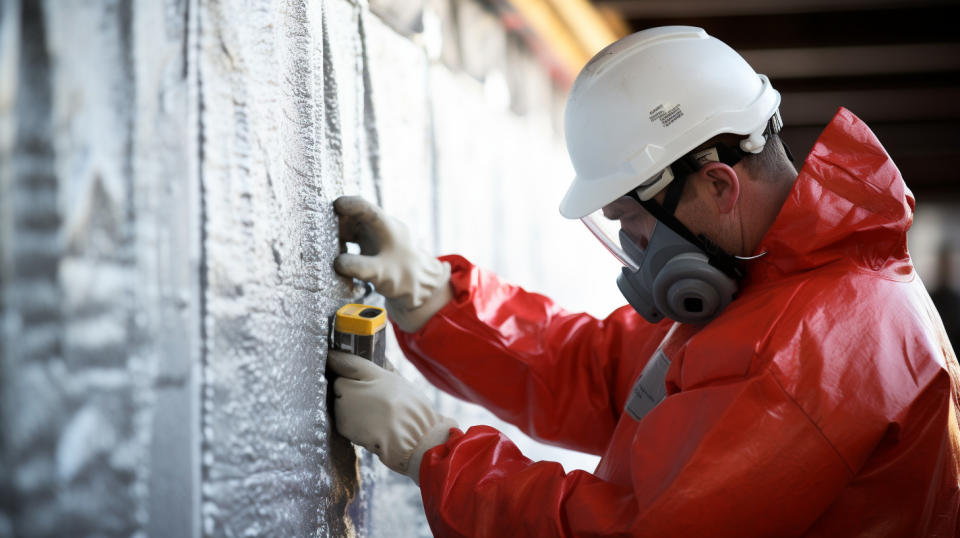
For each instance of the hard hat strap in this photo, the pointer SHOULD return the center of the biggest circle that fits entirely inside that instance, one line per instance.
(774, 126)
(786, 149)
(674, 190)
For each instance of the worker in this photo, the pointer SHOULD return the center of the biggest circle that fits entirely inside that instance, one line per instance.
(779, 370)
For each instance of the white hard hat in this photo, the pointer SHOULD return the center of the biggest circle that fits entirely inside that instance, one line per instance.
(647, 100)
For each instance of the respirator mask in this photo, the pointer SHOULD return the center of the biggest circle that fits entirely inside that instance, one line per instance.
(665, 274)
(668, 271)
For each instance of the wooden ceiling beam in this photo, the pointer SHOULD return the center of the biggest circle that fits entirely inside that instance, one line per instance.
(652, 9)
(922, 152)
(941, 79)
(918, 24)
(929, 176)
(855, 61)
(886, 105)
(899, 138)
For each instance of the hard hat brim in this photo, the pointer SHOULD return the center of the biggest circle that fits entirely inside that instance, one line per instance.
(583, 198)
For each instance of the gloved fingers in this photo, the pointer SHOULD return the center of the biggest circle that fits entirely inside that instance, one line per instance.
(359, 266)
(349, 205)
(361, 222)
(362, 419)
(352, 409)
(351, 366)
(349, 389)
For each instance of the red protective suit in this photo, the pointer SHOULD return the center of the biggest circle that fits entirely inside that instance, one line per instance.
(821, 402)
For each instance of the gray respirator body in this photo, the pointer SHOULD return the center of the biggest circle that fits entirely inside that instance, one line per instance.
(675, 279)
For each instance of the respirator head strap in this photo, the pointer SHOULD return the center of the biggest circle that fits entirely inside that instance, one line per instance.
(690, 163)
(674, 191)
(718, 257)
(681, 168)
(774, 127)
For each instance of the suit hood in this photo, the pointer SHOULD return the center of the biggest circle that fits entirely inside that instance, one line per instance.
(849, 202)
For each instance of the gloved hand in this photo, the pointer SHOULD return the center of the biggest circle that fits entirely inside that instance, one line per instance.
(385, 414)
(415, 284)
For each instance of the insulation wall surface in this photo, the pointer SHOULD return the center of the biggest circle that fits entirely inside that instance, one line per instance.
(166, 238)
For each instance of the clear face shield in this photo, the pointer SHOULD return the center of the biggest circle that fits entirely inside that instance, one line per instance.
(624, 218)
(623, 226)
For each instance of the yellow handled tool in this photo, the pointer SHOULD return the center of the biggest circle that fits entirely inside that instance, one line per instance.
(361, 329)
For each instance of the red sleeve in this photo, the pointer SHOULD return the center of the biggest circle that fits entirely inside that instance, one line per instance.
(734, 460)
(556, 375)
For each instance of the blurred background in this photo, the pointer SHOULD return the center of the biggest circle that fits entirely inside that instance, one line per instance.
(166, 235)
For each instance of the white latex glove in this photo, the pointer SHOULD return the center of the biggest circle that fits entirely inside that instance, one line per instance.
(415, 284)
(385, 414)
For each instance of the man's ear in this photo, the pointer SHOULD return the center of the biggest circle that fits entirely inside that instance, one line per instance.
(722, 185)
